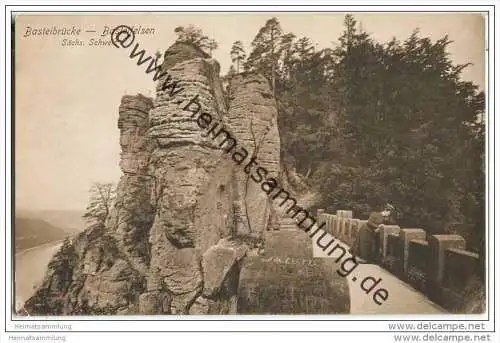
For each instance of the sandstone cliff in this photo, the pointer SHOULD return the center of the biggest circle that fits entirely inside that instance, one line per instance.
(252, 119)
(102, 269)
(185, 216)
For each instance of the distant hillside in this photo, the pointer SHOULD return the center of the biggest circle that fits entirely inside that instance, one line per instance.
(30, 232)
(70, 221)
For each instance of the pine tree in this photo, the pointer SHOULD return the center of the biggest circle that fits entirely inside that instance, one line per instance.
(212, 45)
(303, 48)
(232, 71)
(286, 53)
(238, 54)
(369, 123)
(265, 56)
(408, 122)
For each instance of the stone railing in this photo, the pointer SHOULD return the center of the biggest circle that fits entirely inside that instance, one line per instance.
(437, 265)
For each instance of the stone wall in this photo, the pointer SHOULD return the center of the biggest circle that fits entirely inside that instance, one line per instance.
(437, 265)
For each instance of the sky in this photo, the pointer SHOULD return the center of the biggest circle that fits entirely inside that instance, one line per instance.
(67, 97)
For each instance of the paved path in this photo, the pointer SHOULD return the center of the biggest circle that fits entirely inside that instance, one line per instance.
(403, 299)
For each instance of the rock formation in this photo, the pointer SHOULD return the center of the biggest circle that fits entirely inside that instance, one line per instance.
(103, 268)
(185, 216)
(193, 192)
(252, 119)
(133, 211)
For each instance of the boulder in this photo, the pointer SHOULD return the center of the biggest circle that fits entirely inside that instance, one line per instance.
(218, 262)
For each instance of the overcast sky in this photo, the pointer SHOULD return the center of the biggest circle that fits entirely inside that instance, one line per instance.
(67, 97)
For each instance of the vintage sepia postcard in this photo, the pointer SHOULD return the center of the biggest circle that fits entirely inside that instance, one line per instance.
(229, 163)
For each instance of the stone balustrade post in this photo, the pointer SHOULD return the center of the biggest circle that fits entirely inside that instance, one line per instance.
(336, 225)
(385, 230)
(344, 214)
(438, 244)
(347, 231)
(343, 225)
(354, 228)
(321, 217)
(405, 237)
(331, 223)
(360, 224)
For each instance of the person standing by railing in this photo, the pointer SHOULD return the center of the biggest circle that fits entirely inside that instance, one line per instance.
(364, 246)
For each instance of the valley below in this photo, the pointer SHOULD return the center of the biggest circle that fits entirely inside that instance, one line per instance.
(30, 267)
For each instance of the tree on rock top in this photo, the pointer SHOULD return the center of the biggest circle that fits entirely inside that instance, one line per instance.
(238, 54)
(211, 46)
(194, 35)
(266, 51)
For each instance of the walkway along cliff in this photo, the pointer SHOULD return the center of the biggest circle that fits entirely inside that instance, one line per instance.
(189, 233)
(439, 266)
